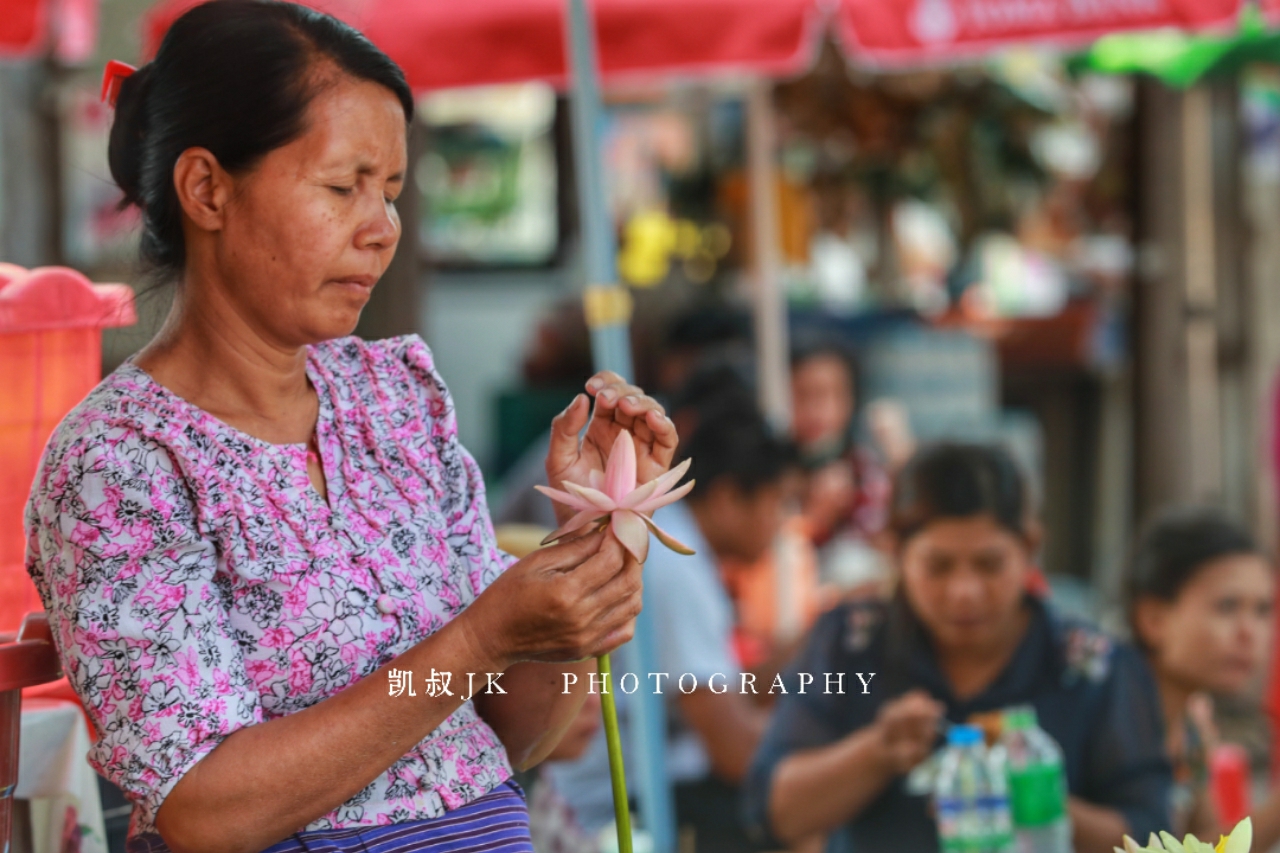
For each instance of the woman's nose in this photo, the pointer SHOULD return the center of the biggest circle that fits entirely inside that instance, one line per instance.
(381, 230)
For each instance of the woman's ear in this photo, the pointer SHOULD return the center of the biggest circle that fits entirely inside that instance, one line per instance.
(203, 188)
(1149, 621)
(1034, 535)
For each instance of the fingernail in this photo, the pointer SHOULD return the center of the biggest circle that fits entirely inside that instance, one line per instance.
(594, 384)
(608, 396)
(634, 401)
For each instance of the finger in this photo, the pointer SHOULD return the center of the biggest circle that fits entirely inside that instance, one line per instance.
(664, 439)
(602, 379)
(639, 403)
(610, 395)
(568, 555)
(563, 450)
(617, 619)
(618, 588)
(593, 571)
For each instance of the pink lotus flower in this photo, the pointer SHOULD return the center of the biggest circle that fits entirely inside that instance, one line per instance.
(614, 498)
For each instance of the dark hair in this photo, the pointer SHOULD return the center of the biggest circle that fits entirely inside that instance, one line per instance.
(1174, 547)
(732, 440)
(708, 324)
(235, 77)
(952, 480)
(808, 347)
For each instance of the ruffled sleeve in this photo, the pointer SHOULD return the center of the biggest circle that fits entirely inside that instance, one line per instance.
(138, 614)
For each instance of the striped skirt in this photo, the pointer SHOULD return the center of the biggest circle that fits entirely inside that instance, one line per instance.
(498, 822)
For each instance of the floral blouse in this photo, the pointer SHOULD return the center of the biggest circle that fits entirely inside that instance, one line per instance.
(197, 583)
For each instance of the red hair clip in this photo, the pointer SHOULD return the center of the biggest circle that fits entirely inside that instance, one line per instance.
(112, 77)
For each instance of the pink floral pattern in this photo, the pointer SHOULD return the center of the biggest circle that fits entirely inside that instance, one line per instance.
(197, 583)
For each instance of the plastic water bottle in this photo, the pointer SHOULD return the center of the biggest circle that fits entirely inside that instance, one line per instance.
(972, 807)
(1037, 784)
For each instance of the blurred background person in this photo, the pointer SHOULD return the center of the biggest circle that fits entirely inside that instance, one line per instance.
(961, 637)
(1200, 597)
(847, 487)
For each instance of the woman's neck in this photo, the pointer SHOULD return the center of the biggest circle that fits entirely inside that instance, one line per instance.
(213, 357)
(972, 669)
(1173, 702)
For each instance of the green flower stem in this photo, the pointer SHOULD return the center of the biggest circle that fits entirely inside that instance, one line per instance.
(621, 811)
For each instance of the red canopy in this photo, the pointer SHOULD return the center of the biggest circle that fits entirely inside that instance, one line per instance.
(22, 27)
(440, 44)
(919, 32)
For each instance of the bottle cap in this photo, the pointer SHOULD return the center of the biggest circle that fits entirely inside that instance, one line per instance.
(1020, 718)
(961, 735)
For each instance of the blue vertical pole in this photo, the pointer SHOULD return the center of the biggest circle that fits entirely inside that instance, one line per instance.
(611, 350)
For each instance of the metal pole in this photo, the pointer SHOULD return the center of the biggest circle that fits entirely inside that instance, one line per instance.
(769, 303)
(608, 316)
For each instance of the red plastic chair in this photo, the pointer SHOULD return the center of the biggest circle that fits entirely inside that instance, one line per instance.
(25, 660)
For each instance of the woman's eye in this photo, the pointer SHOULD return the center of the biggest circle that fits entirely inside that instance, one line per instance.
(343, 190)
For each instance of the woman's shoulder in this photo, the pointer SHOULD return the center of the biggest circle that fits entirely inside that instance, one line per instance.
(120, 411)
(1090, 655)
(852, 629)
(395, 371)
(122, 429)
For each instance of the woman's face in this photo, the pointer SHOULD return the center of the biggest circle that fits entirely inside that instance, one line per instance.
(964, 578)
(1216, 634)
(822, 398)
(310, 229)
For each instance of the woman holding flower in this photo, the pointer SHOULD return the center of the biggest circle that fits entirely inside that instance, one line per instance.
(258, 529)
(962, 637)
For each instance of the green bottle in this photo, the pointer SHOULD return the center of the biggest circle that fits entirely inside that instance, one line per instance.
(1037, 784)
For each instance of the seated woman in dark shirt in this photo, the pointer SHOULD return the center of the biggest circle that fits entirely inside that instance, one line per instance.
(961, 638)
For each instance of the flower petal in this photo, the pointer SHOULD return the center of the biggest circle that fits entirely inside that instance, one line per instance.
(1241, 838)
(638, 495)
(632, 533)
(668, 480)
(579, 521)
(620, 470)
(1171, 844)
(666, 538)
(659, 501)
(565, 498)
(599, 500)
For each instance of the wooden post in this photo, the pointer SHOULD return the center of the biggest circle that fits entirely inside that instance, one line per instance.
(1200, 290)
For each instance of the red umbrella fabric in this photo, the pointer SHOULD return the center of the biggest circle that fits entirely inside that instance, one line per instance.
(923, 32)
(442, 44)
(22, 27)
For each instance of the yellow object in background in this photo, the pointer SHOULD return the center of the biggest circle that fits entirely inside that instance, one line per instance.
(520, 540)
(652, 239)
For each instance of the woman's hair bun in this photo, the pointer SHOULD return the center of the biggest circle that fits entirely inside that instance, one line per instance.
(232, 77)
(127, 146)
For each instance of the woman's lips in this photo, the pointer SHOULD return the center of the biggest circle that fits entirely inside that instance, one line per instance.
(359, 284)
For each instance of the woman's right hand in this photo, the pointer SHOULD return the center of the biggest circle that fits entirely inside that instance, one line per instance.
(908, 728)
(566, 602)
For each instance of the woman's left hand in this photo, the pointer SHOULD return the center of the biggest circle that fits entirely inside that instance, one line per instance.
(618, 406)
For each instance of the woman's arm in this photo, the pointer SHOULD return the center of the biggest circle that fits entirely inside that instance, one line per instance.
(537, 709)
(268, 780)
(1095, 829)
(265, 781)
(1266, 823)
(818, 790)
